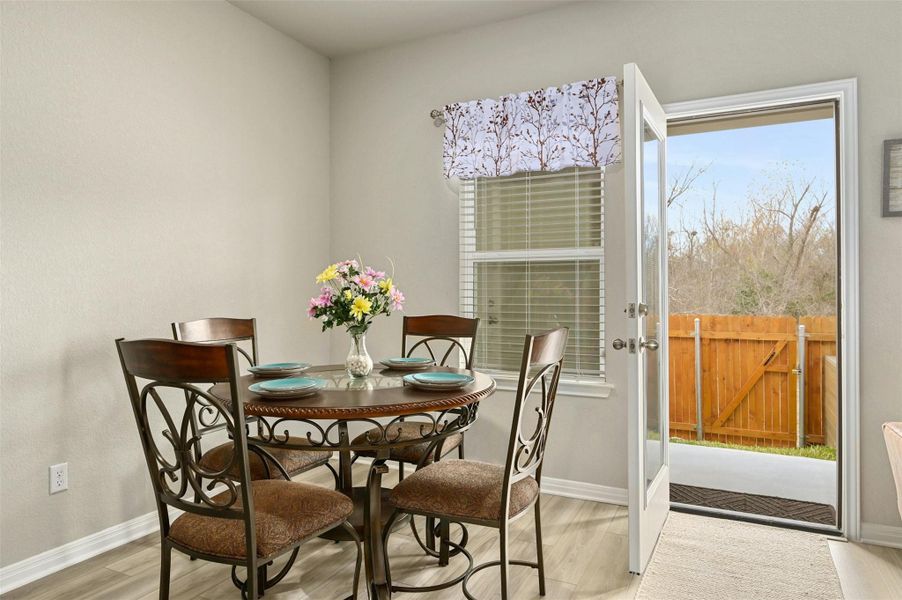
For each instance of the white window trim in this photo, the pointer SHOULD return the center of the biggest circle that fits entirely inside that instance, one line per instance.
(845, 92)
(569, 385)
(578, 387)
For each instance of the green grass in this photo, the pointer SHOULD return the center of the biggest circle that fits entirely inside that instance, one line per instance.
(819, 452)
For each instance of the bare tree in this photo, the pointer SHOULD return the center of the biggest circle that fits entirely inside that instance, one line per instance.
(776, 257)
(682, 183)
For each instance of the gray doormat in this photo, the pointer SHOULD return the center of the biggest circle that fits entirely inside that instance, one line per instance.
(770, 506)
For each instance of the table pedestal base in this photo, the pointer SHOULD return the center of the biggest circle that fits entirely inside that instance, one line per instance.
(359, 496)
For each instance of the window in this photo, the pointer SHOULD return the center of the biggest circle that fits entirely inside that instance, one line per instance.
(531, 260)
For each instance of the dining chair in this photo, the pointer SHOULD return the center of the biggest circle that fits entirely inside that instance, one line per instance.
(220, 330)
(227, 517)
(432, 334)
(479, 493)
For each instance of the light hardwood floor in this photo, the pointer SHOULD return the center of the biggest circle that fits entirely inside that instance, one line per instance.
(585, 555)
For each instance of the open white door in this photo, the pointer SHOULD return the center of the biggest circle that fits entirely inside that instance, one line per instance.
(644, 157)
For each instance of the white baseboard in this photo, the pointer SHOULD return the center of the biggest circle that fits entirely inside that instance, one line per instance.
(881, 535)
(56, 559)
(584, 491)
(53, 560)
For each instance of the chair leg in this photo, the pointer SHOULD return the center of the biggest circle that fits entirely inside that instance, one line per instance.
(250, 585)
(503, 563)
(540, 560)
(444, 528)
(165, 564)
(460, 449)
(261, 581)
(400, 470)
(430, 533)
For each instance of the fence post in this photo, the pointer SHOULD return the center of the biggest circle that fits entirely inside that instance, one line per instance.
(800, 389)
(697, 334)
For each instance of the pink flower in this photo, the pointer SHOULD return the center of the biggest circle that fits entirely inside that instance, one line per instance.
(326, 297)
(364, 281)
(397, 299)
(371, 272)
(324, 300)
(346, 265)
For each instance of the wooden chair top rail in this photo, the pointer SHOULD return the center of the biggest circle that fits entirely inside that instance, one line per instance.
(173, 361)
(440, 325)
(215, 329)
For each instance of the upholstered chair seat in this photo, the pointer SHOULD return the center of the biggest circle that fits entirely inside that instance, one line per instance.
(286, 513)
(404, 431)
(462, 488)
(293, 461)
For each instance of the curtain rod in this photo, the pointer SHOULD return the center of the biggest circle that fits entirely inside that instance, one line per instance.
(438, 116)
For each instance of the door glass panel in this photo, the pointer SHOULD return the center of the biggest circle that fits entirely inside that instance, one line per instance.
(651, 273)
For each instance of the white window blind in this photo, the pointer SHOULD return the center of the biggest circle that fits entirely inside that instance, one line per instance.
(532, 259)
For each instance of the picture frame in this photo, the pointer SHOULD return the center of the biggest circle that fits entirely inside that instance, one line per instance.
(892, 178)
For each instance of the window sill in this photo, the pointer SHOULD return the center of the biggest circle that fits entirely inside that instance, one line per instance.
(581, 388)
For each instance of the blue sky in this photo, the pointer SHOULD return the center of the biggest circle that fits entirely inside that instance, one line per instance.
(742, 159)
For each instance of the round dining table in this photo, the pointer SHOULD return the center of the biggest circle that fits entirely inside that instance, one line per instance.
(375, 404)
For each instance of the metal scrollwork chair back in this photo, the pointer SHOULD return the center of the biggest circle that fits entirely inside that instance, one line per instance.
(164, 417)
(540, 372)
(437, 332)
(181, 366)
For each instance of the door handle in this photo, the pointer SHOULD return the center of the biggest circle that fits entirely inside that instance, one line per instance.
(650, 344)
(630, 345)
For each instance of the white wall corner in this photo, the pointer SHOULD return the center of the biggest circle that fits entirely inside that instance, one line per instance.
(881, 535)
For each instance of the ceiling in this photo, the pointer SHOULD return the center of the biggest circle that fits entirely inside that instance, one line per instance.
(341, 27)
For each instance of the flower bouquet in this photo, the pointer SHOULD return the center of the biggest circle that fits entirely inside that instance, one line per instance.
(351, 297)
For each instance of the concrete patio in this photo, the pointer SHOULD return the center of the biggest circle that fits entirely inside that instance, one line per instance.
(793, 477)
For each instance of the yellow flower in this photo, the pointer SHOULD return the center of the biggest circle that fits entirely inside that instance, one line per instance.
(385, 284)
(329, 274)
(347, 294)
(360, 307)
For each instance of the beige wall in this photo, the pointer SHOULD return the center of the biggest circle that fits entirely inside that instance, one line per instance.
(388, 196)
(159, 162)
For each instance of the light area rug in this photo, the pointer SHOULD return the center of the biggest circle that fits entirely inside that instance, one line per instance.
(701, 558)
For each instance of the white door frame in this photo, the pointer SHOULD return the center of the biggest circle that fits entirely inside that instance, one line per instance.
(845, 92)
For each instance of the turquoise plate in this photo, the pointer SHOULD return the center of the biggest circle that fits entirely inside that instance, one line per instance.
(408, 364)
(458, 382)
(281, 366)
(290, 384)
(443, 378)
(409, 360)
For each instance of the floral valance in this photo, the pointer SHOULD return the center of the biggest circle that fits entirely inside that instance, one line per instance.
(575, 125)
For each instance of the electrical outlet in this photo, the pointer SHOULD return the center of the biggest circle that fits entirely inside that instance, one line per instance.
(59, 478)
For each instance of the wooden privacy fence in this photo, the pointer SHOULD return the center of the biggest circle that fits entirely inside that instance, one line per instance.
(749, 376)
